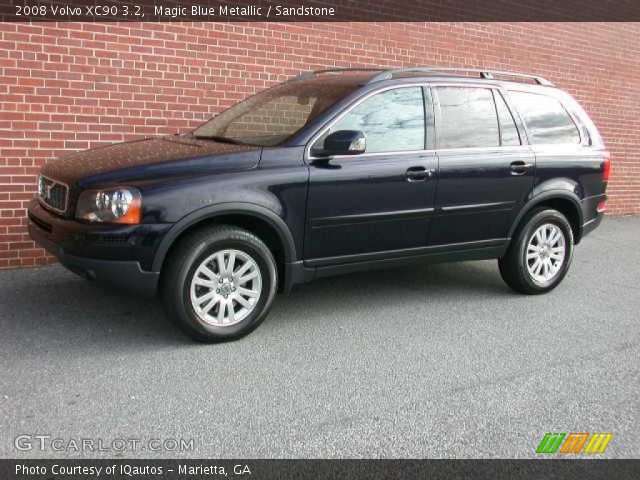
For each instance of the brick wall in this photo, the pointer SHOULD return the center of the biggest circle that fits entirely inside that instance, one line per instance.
(70, 86)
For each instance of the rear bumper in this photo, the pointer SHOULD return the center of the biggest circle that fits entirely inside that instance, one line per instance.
(75, 244)
(592, 224)
(591, 215)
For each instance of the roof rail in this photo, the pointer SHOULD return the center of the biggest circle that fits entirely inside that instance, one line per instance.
(489, 74)
(308, 75)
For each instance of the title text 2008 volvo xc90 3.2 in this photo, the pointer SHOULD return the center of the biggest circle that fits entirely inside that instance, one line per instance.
(331, 172)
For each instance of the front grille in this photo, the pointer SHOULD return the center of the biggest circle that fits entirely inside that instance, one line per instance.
(53, 194)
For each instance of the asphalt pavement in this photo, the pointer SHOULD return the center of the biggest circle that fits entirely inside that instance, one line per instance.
(427, 361)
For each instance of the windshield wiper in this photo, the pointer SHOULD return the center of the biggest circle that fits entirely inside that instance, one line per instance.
(217, 138)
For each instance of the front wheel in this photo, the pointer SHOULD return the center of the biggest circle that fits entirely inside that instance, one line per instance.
(540, 254)
(219, 283)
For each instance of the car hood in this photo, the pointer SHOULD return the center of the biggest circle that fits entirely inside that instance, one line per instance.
(150, 158)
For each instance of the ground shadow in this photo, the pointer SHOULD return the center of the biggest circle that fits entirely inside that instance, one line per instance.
(53, 309)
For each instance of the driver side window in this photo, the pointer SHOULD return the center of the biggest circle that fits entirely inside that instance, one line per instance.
(391, 121)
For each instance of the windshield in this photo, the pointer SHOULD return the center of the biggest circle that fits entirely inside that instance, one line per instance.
(271, 116)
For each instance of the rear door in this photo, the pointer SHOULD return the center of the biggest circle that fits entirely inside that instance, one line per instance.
(362, 205)
(486, 170)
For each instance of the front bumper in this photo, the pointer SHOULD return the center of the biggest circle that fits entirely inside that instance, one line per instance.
(115, 254)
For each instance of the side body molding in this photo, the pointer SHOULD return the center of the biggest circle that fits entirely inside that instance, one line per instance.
(229, 208)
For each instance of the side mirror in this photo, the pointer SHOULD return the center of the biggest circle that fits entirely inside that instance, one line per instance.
(344, 142)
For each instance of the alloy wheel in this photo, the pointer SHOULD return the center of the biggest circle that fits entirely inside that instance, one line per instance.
(226, 287)
(546, 252)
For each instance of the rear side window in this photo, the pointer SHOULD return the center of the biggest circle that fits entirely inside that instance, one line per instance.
(546, 119)
(391, 121)
(467, 118)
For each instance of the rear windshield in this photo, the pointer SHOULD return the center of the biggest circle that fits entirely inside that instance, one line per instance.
(272, 116)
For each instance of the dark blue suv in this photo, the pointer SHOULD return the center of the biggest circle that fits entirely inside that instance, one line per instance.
(332, 172)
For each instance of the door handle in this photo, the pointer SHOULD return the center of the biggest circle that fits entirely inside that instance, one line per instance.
(520, 168)
(418, 174)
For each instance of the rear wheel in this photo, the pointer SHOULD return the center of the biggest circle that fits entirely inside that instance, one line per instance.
(219, 283)
(540, 254)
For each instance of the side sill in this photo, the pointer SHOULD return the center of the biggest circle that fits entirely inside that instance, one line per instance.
(483, 253)
(294, 274)
(299, 272)
(453, 248)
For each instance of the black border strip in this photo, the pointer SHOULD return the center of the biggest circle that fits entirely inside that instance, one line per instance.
(332, 469)
(321, 10)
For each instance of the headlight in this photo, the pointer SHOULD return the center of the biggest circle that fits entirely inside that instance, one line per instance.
(117, 205)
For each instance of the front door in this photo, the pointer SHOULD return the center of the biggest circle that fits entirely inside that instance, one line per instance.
(486, 170)
(380, 200)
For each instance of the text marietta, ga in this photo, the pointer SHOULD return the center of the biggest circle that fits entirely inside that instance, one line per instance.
(243, 11)
(127, 470)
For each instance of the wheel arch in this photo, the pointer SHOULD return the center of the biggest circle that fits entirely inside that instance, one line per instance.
(564, 201)
(265, 223)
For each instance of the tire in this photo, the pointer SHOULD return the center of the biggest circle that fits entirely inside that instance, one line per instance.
(210, 304)
(519, 271)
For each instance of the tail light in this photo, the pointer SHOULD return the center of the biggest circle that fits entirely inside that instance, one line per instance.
(606, 169)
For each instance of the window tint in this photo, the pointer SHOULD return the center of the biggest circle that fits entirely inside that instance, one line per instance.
(546, 119)
(272, 121)
(273, 115)
(467, 118)
(508, 129)
(391, 121)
